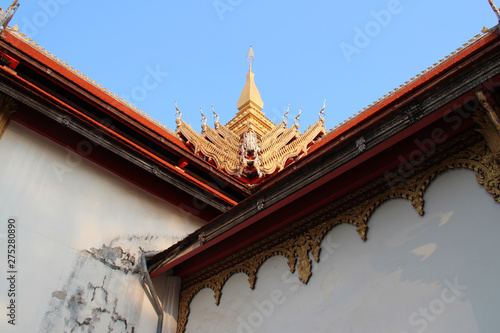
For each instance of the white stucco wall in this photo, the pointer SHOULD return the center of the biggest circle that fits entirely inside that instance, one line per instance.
(79, 229)
(437, 273)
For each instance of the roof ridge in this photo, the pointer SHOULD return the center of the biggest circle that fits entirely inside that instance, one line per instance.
(23, 37)
(442, 61)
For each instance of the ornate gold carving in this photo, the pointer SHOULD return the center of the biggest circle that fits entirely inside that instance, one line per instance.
(488, 118)
(250, 114)
(249, 153)
(239, 156)
(7, 108)
(250, 143)
(305, 236)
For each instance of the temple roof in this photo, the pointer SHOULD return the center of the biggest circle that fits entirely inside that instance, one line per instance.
(179, 167)
(250, 146)
(361, 149)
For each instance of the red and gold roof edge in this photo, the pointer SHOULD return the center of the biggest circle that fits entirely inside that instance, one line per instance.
(144, 124)
(276, 149)
(17, 47)
(415, 83)
(32, 49)
(233, 225)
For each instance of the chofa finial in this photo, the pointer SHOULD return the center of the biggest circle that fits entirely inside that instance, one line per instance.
(285, 116)
(6, 16)
(216, 116)
(296, 120)
(495, 9)
(203, 118)
(322, 112)
(178, 113)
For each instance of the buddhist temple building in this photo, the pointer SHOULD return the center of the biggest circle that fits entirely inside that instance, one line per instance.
(386, 223)
(250, 146)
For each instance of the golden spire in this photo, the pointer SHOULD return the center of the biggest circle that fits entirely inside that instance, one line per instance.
(250, 145)
(250, 94)
(250, 107)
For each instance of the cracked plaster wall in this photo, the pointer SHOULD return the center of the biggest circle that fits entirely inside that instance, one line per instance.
(102, 293)
(81, 230)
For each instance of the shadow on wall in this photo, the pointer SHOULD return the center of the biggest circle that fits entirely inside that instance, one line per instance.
(414, 274)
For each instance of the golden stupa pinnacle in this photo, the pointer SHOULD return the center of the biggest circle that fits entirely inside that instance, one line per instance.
(250, 93)
(250, 145)
(250, 106)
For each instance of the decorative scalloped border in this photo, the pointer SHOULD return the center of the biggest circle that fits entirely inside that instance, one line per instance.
(477, 157)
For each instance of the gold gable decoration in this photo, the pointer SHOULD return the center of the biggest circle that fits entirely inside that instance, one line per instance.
(250, 145)
(301, 241)
(250, 154)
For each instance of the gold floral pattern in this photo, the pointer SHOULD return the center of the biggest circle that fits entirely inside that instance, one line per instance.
(296, 242)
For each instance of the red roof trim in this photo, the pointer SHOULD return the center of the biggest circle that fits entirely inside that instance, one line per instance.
(357, 121)
(124, 140)
(55, 66)
(408, 89)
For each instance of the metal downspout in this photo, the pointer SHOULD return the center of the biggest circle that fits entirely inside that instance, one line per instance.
(145, 280)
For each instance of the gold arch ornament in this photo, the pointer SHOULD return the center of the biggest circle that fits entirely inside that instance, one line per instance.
(305, 236)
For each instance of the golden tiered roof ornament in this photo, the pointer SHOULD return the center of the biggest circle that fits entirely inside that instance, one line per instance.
(250, 146)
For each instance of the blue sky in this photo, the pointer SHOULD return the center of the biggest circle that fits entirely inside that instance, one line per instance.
(348, 52)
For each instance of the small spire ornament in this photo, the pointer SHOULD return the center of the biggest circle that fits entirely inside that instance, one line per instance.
(495, 9)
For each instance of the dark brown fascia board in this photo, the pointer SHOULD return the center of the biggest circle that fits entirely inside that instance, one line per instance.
(59, 115)
(343, 151)
(166, 140)
(398, 104)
